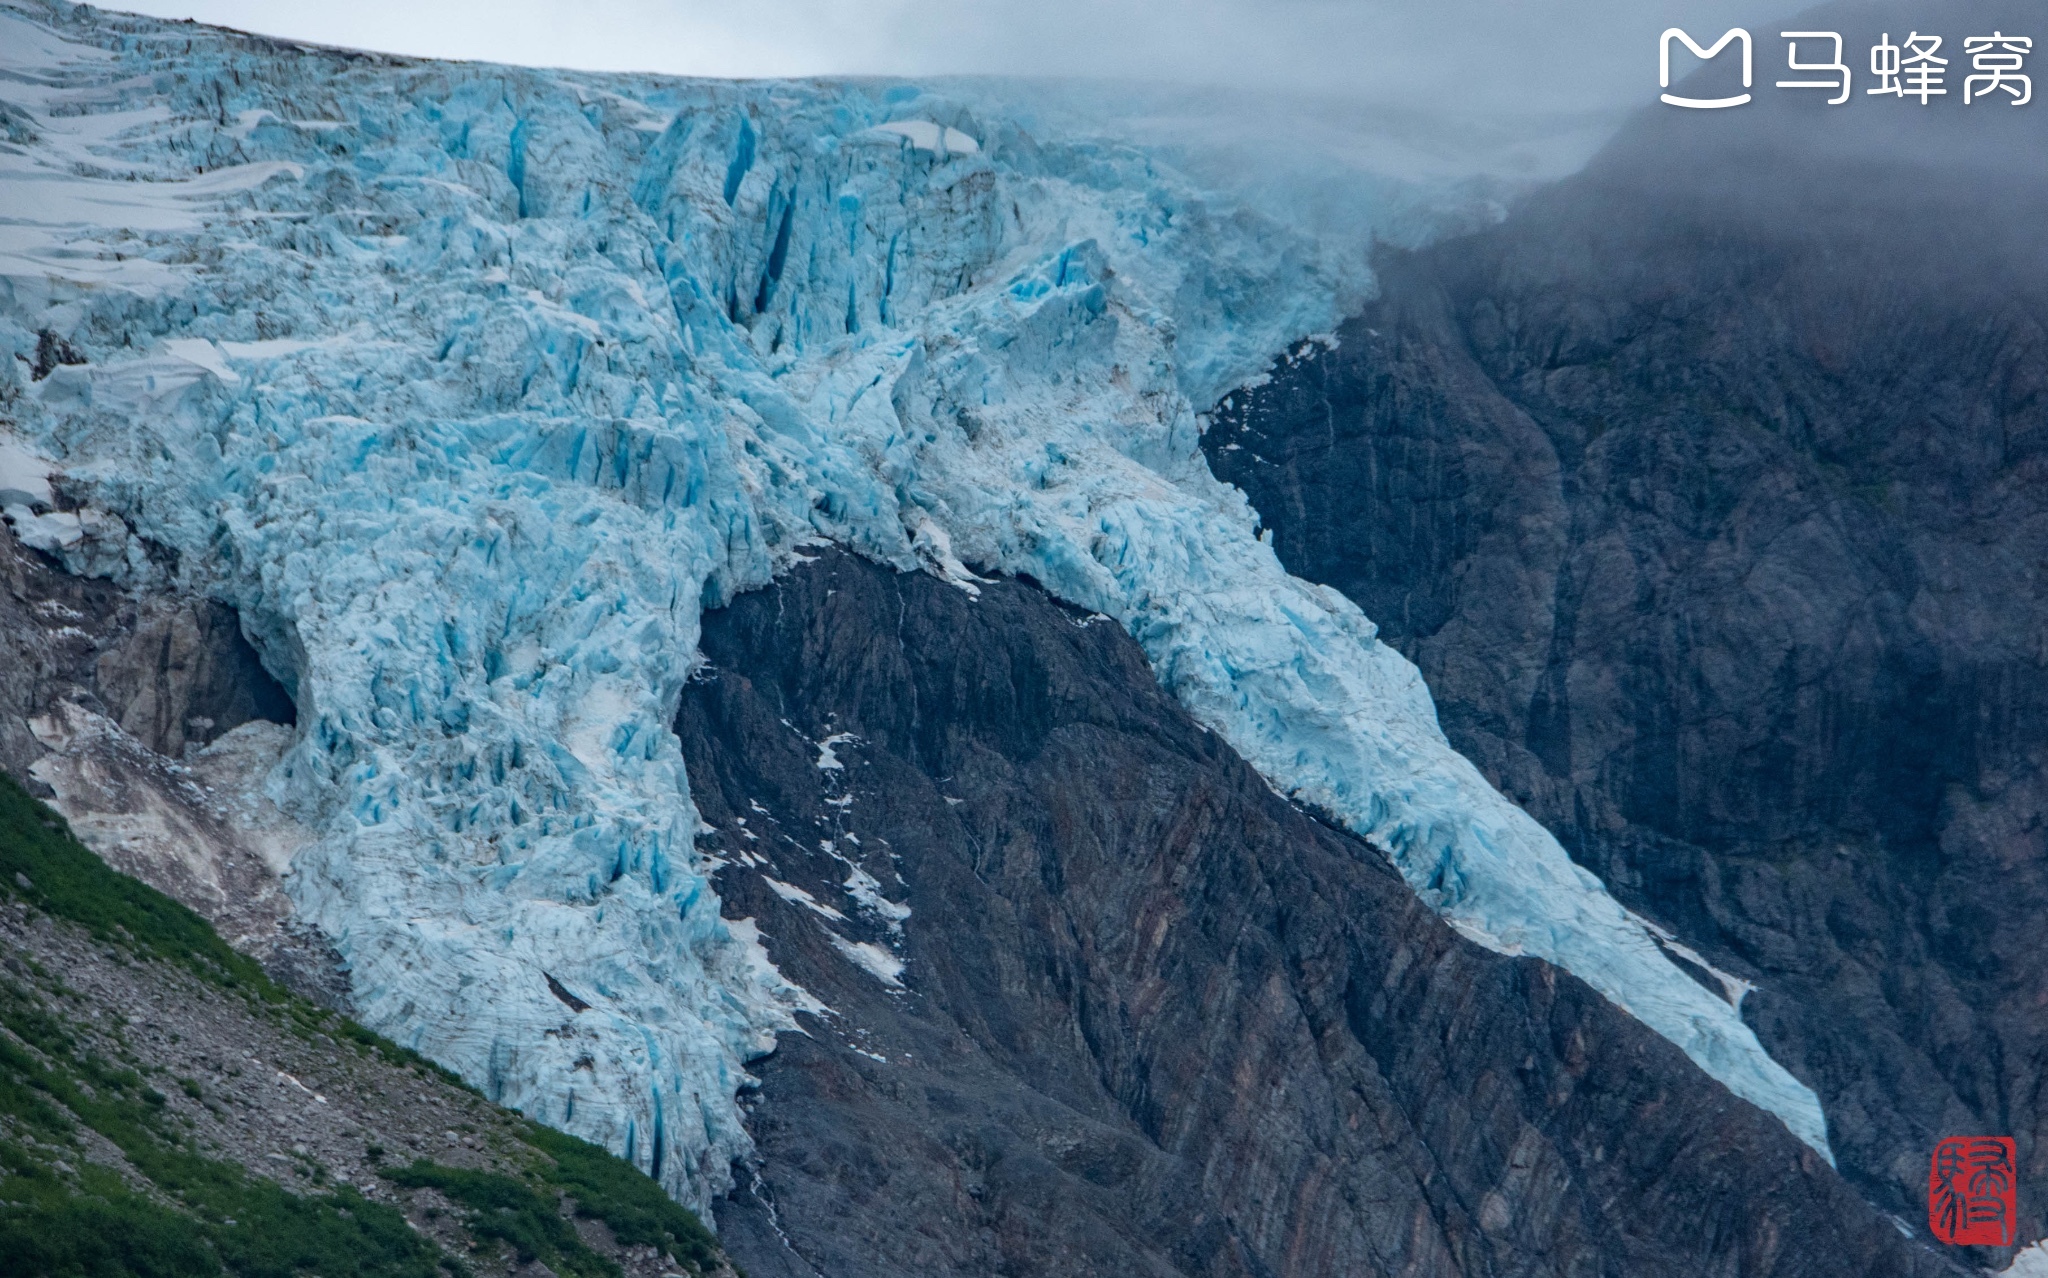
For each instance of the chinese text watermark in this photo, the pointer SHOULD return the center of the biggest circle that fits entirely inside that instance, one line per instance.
(1913, 69)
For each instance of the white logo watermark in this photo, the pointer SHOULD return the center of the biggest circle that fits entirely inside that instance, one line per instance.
(1911, 69)
(1664, 65)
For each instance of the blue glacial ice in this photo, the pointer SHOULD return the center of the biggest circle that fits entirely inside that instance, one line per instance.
(473, 386)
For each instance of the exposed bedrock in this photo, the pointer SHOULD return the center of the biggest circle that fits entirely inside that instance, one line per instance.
(169, 671)
(1708, 494)
(148, 720)
(1142, 1015)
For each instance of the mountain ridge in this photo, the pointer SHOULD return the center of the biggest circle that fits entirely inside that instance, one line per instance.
(1709, 508)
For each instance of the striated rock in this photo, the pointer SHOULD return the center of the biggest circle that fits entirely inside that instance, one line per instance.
(149, 721)
(184, 674)
(170, 1112)
(1102, 1003)
(169, 670)
(1713, 512)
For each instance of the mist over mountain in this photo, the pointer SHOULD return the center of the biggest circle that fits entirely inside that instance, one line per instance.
(1705, 492)
(1011, 674)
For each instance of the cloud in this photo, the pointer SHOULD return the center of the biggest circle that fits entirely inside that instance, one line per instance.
(1453, 56)
(1310, 108)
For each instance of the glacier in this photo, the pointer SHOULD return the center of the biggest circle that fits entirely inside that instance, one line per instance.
(472, 387)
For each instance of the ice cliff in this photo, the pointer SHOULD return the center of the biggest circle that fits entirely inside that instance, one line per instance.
(471, 387)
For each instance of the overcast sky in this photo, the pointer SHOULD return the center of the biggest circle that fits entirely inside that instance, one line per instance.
(1454, 55)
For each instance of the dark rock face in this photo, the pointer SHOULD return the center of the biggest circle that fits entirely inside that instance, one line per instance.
(185, 673)
(118, 707)
(1715, 516)
(169, 671)
(1153, 1019)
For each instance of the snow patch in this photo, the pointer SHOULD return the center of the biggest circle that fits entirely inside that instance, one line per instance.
(1733, 988)
(924, 135)
(60, 532)
(866, 892)
(24, 477)
(797, 896)
(878, 962)
(828, 758)
(202, 354)
(271, 348)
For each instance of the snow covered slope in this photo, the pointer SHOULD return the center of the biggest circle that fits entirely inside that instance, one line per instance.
(472, 386)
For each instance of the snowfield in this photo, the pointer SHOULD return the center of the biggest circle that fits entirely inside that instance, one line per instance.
(471, 387)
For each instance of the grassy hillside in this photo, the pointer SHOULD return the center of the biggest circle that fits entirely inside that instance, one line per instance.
(167, 1110)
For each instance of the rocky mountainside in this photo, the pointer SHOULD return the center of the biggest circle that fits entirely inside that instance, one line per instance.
(1100, 1002)
(144, 715)
(470, 388)
(1095, 998)
(1708, 493)
(167, 1111)
(421, 482)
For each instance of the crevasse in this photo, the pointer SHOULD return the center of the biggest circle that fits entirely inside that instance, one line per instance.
(472, 386)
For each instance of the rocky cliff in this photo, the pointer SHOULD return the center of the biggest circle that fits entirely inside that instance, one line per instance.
(149, 719)
(470, 402)
(1100, 1002)
(1707, 492)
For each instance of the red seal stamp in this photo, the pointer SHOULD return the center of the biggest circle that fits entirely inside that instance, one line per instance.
(1973, 1191)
